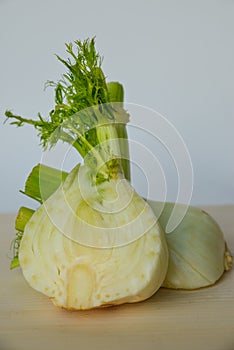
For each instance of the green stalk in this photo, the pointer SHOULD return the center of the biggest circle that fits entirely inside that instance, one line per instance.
(116, 94)
(15, 261)
(42, 182)
(124, 150)
(23, 216)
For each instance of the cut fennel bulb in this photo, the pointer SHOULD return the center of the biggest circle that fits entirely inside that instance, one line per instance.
(87, 247)
(93, 241)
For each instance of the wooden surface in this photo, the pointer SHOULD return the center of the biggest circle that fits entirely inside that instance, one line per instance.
(191, 320)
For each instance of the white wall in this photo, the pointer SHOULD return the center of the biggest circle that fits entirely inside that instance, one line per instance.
(176, 57)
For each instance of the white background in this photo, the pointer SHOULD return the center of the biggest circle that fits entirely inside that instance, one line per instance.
(176, 57)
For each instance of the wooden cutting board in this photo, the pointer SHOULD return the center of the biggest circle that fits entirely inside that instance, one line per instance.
(170, 320)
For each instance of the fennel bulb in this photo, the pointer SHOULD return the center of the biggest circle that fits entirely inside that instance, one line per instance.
(107, 249)
(94, 242)
(198, 253)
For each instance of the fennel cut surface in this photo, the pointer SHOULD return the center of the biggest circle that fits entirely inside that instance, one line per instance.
(106, 249)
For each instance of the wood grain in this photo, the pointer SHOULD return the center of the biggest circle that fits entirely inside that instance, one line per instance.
(191, 320)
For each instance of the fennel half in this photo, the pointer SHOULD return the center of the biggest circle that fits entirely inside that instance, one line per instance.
(94, 242)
